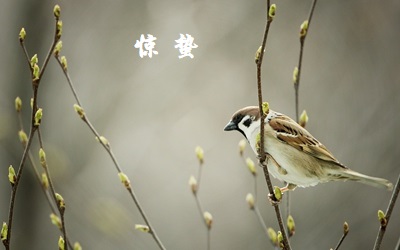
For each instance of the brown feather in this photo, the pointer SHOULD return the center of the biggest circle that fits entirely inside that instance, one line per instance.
(290, 132)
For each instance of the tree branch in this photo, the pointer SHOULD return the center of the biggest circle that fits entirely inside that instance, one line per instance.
(262, 154)
(389, 211)
(108, 148)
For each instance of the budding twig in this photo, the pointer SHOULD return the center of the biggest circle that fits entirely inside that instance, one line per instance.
(296, 74)
(78, 108)
(386, 216)
(250, 199)
(297, 71)
(345, 232)
(262, 154)
(194, 186)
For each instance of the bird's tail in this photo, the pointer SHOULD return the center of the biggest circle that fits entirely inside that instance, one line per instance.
(369, 180)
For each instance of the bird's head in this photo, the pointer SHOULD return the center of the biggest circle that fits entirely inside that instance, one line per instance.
(246, 121)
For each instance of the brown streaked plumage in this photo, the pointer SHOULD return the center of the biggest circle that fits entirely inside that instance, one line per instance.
(295, 156)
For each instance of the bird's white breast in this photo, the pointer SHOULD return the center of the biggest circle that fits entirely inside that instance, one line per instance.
(294, 162)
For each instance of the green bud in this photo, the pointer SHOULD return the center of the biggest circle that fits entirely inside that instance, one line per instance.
(38, 116)
(143, 228)
(60, 201)
(79, 110)
(280, 239)
(36, 72)
(295, 75)
(42, 158)
(59, 29)
(61, 243)
(56, 11)
(103, 141)
(199, 154)
(272, 236)
(34, 60)
(265, 108)
(31, 103)
(258, 54)
(45, 181)
(11, 175)
(272, 10)
(382, 218)
(277, 193)
(345, 228)
(251, 166)
(77, 246)
(193, 184)
(290, 225)
(303, 119)
(64, 63)
(22, 35)
(124, 179)
(4, 232)
(22, 137)
(55, 220)
(18, 104)
(304, 29)
(250, 200)
(208, 219)
(57, 48)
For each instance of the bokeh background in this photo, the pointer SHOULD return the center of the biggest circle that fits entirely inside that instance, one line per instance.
(156, 111)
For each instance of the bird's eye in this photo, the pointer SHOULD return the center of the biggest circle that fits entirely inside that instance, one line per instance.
(247, 122)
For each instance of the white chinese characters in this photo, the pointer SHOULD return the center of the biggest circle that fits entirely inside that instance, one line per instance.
(184, 44)
(146, 46)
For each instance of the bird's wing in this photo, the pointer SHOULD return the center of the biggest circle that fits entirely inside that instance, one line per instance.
(290, 132)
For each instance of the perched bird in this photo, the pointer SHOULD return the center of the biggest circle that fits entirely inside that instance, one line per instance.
(293, 154)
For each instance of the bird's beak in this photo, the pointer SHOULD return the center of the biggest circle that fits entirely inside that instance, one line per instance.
(230, 126)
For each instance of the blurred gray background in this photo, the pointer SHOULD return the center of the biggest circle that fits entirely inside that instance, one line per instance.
(156, 111)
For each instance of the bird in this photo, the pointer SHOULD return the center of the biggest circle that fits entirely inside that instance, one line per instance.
(293, 154)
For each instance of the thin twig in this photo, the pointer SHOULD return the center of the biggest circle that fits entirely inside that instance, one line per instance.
(397, 245)
(389, 211)
(340, 241)
(201, 211)
(44, 190)
(302, 40)
(107, 147)
(199, 176)
(297, 84)
(50, 52)
(34, 128)
(35, 169)
(260, 219)
(198, 203)
(262, 154)
(345, 233)
(288, 205)
(53, 193)
(254, 206)
(15, 188)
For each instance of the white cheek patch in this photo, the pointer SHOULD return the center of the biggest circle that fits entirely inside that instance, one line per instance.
(242, 126)
(250, 131)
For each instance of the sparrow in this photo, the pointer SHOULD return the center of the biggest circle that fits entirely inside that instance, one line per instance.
(293, 154)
